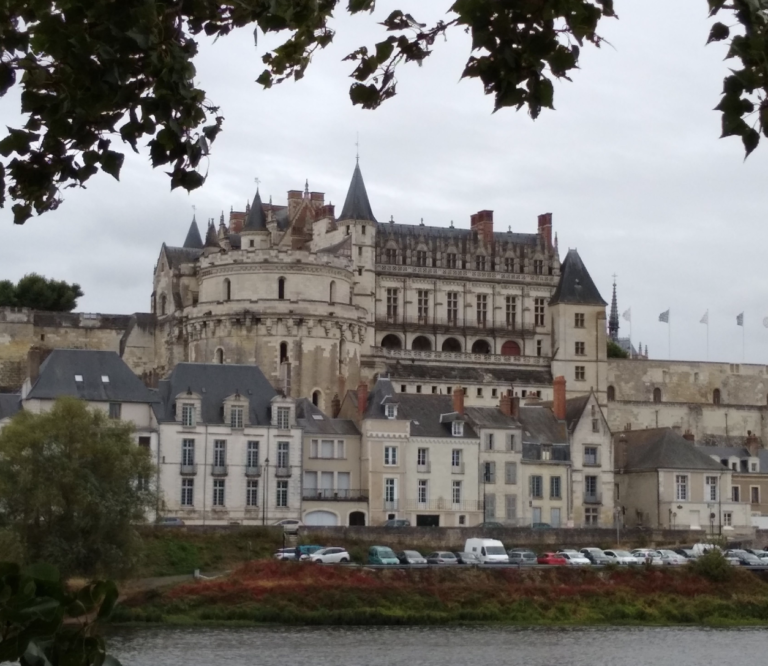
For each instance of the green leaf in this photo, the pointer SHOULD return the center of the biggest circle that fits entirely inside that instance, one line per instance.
(718, 33)
(112, 162)
(21, 213)
(750, 139)
(365, 96)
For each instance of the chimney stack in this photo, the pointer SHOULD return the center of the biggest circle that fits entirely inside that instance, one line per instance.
(753, 445)
(335, 406)
(621, 452)
(458, 400)
(545, 228)
(505, 405)
(362, 399)
(558, 405)
(516, 407)
(482, 223)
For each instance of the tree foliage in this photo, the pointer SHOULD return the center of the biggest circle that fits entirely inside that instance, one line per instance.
(46, 624)
(39, 293)
(93, 72)
(615, 350)
(73, 483)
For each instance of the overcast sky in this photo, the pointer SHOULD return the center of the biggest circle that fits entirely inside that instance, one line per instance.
(629, 164)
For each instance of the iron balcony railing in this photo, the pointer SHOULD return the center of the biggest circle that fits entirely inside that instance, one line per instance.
(219, 470)
(253, 470)
(335, 494)
(282, 471)
(188, 469)
(474, 323)
(593, 498)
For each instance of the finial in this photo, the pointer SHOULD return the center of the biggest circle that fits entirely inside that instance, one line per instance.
(231, 208)
(421, 224)
(258, 182)
(509, 229)
(357, 149)
(221, 219)
(306, 186)
(270, 199)
(194, 213)
(391, 219)
(614, 279)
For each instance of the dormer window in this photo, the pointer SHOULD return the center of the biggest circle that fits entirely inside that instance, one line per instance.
(78, 378)
(283, 418)
(236, 416)
(457, 429)
(390, 411)
(188, 414)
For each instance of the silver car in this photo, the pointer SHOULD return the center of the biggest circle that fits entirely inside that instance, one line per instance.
(670, 557)
(620, 557)
(330, 556)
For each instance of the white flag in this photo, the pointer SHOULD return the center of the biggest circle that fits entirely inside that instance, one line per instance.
(705, 318)
(628, 315)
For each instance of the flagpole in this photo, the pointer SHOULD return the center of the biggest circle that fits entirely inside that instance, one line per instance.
(707, 335)
(669, 334)
(743, 341)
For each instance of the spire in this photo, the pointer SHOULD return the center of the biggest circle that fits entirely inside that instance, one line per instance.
(613, 320)
(211, 239)
(256, 220)
(193, 240)
(356, 205)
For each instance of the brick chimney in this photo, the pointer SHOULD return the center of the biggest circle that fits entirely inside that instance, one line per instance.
(545, 228)
(752, 444)
(689, 436)
(458, 400)
(335, 406)
(516, 407)
(362, 399)
(482, 223)
(328, 211)
(621, 452)
(505, 404)
(35, 358)
(558, 404)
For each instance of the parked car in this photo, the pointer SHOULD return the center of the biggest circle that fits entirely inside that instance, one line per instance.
(595, 555)
(330, 556)
(467, 558)
(490, 525)
(687, 553)
(306, 551)
(170, 521)
(760, 554)
(647, 556)
(541, 526)
(442, 557)
(490, 551)
(382, 555)
(745, 559)
(397, 522)
(670, 557)
(621, 557)
(551, 558)
(521, 556)
(411, 557)
(574, 558)
(289, 525)
(285, 554)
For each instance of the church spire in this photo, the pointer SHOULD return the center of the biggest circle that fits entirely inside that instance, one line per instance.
(256, 220)
(356, 205)
(613, 320)
(193, 240)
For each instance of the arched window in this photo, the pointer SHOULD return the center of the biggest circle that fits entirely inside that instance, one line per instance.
(281, 288)
(220, 356)
(716, 397)
(657, 395)
(162, 304)
(316, 398)
(227, 290)
(510, 348)
(481, 347)
(421, 343)
(451, 345)
(283, 352)
(332, 292)
(391, 342)
(611, 394)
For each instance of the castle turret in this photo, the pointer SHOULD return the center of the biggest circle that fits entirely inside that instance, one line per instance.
(193, 241)
(211, 240)
(613, 320)
(356, 205)
(255, 233)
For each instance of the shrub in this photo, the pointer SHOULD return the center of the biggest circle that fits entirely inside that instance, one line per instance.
(713, 566)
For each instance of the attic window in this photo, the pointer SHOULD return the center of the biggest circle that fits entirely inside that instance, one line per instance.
(458, 429)
(105, 379)
(390, 411)
(78, 378)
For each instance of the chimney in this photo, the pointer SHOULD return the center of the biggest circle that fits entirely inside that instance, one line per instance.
(558, 405)
(35, 358)
(752, 443)
(505, 405)
(458, 400)
(482, 223)
(621, 452)
(689, 436)
(328, 211)
(516, 407)
(545, 228)
(317, 196)
(335, 406)
(362, 399)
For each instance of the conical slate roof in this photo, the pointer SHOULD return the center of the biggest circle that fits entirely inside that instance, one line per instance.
(211, 238)
(576, 285)
(193, 241)
(356, 205)
(256, 220)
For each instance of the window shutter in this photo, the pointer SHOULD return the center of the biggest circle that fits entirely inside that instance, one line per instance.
(510, 442)
(490, 505)
(511, 473)
(511, 501)
(492, 478)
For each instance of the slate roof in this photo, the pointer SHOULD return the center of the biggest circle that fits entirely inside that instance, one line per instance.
(57, 378)
(181, 255)
(490, 417)
(356, 205)
(211, 237)
(540, 426)
(512, 376)
(194, 240)
(397, 229)
(343, 247)
(256, 220)
(215, 382)
(574, 408)
(576, 285)
(663, 448)
(315, 421)
(724, 452)
(10, 403)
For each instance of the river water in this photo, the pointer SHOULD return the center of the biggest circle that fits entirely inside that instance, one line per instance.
(445, 646)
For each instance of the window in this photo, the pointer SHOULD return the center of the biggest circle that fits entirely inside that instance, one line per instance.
(450, 260)
(482, 309)
(403, 388)
(539, 347)
(716, 397)
(536, 487)
(283, 418)
(488, 471)
(218, 492)
(580, 349)
(422, 491)
(359, 251)
(187, 452)
(456, 458)
(510, 473)
(479, 393)
(281, 288)
(727, 519)
(736, 494)
(391, 255)
(421, 257)
(611, 394)
(188, 414)
(236, 416)
(511, 506)
(710, 493)
(590, 455)
(220, 356)
(390, 411)
(480, 262)
(595, 425)
(457, 429)
(538, 311)
(219, 452)
(554, 487)
(252, 493)
(509, 265)
(546, 452)
(390, 455)
(578, 320)
(187, 492)
(283, 461)
(591, 516)
(282, 494)
(422, 304)
(252, 455)
(283, 352)
(590, 487)
(456, 492)
(489, 503)
(115, 409)
(681, 487)
(340, 449)
(754, 492)
(392, 302)
(332, 292)
(538, 266)
(489, 442)
(580, 373)
(511, 441)
(753, 467)
(326, 448)
(511, 302)
(227, 290)
(657, 395)
(390, 490)
(453, 307)
(421, 457)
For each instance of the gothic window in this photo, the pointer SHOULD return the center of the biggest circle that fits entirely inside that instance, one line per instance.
(450, 260)
(657, 395)
(480, 262)
(421, 257)
(281, 288)
(342, 355)
(538, 309)
(163, 301)
(538, 266)
(316, 398)
(509, 265)
(511, 302)
(482, 309)
(390, 255)
(283, 352)
(332, 294)
(611, 394)
(716, 397)
(453, 307)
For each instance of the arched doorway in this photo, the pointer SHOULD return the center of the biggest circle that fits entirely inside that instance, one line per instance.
(481, 347)
(421, 343)
(611, 394)
(321, 518)
(510, 348)
(391, 342)
(451, 345)
(357, 519)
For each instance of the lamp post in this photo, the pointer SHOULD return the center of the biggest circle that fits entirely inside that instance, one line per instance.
(264, 501)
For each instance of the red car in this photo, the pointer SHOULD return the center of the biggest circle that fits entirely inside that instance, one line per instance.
(551, 558)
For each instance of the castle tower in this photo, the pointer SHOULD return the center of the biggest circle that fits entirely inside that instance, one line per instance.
(613, 320)
(194, 240)
(255, 234)
(579, 331)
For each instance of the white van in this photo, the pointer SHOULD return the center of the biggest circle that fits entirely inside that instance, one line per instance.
(489, 551)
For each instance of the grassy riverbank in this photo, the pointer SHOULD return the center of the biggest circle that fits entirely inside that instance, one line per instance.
(289, 593)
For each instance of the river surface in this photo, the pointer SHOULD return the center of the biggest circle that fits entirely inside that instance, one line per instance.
(448, 646)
